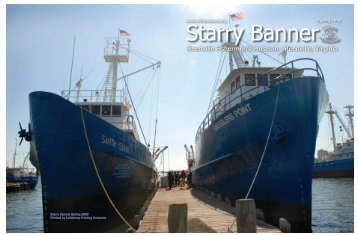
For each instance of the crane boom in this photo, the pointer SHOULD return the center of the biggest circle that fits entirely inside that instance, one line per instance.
(149, 66)
(157, 154)
(344, 126)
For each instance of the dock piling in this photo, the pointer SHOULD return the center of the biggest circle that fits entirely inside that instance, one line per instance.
(17, 187)
(178, 218)
(245, 216)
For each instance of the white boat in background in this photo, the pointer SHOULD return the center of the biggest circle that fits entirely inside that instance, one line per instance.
(340, 162)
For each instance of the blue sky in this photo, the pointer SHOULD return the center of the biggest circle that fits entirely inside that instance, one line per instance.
(39, 49)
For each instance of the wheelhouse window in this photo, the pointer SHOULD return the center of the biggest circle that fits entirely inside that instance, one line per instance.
(106, 110)
(262, 80)
(96, 109)
(288, 76)
(232, 87)
(237, 82)
(116, 110)
(250, 80)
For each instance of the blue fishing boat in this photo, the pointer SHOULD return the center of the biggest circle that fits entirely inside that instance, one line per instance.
(95, 171)
(338, 163)
(258, 137)
(21, 174)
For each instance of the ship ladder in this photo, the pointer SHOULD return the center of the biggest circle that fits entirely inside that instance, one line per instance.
(99, 177)
(263, 154)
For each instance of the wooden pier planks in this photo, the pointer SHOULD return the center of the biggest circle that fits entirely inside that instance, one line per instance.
(16, 187)
(205, 213)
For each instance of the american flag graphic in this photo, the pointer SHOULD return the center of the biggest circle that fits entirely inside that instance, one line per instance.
(237, 16)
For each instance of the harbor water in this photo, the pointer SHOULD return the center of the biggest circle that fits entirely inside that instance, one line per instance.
(332, 209)
(24, 211)
(333, 205)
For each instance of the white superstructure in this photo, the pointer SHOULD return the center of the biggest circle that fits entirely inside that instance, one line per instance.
(110, 103)
(344, 150)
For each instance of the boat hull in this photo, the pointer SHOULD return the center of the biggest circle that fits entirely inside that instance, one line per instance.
(30, 180)
(74, 198)
(228, 154)
(334, 169)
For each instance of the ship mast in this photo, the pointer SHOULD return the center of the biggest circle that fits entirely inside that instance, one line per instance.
(73, 56)
(190, 157)
(14, 156)
(344, 125)
(114, 55)
(350, 115)
(234, 55)
(78, 85)
(330, 112)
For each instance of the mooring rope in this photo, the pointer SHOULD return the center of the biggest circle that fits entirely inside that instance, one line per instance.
(263, 153)
(99, 177)
(267, 140)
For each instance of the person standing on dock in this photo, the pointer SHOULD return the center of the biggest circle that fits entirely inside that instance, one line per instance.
(182, 178)
(189, 180)
(170, 179)
(176, 178)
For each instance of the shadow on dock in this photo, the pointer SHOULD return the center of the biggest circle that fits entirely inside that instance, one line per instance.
(215, 203)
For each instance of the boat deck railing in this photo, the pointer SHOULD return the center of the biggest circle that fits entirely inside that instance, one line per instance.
(236, 96)
(100, 96)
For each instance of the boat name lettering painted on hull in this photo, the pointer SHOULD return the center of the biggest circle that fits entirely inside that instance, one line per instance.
(109, 141)
(239, 112)
(113, 143)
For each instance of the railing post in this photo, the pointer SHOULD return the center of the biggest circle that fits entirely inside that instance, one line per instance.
(292, 70)
(225, 104)
(214, 112)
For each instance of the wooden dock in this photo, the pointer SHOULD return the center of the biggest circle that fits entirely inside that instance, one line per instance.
(16, 187)
(205, 213)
